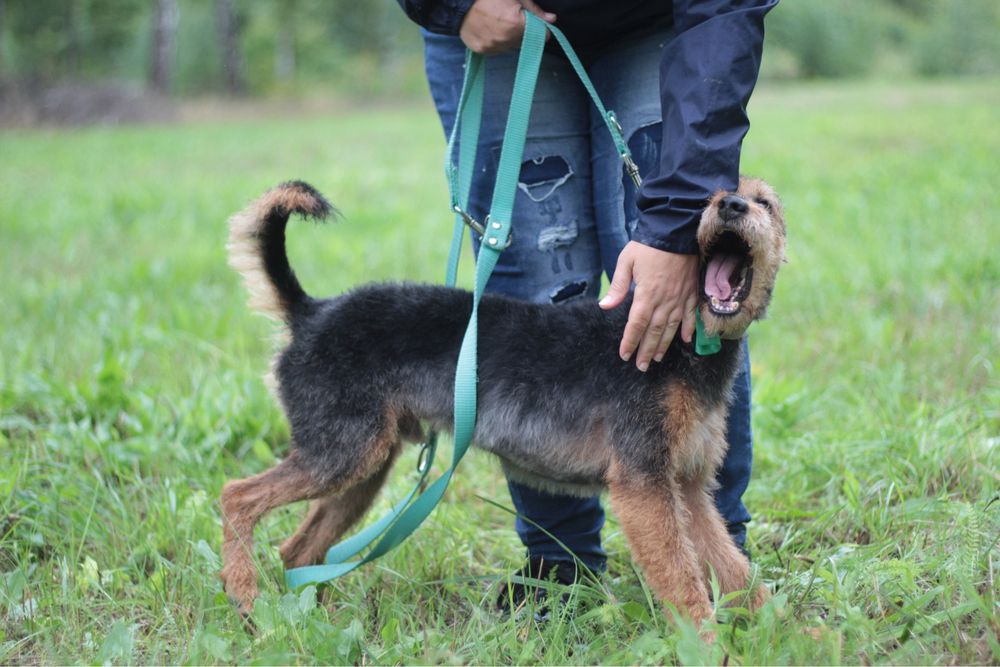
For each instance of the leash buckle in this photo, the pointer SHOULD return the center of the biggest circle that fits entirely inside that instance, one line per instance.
(471, 222)
(633, 170)
(424, 458)
(479, 227)
(630, 166)
(613, 119)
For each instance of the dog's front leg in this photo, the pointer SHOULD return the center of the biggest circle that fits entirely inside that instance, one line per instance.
(656, 524)
(714, 545)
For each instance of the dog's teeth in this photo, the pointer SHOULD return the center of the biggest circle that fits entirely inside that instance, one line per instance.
(724, 306)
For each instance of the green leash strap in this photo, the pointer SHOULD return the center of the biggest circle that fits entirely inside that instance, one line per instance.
(610, 120)
(468, 117)
(336, 562)
(460, 177)
(409, 513)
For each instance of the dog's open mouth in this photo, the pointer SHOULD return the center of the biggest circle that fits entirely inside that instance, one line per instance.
(727, 273)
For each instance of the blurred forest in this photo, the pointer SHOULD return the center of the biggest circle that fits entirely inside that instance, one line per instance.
(74, 60)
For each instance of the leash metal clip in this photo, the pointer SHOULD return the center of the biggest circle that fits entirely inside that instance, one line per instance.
(424, 458)
(633, 170)
(479, 227)
(630, 166)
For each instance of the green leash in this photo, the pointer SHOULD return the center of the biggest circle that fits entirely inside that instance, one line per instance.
(409, 513)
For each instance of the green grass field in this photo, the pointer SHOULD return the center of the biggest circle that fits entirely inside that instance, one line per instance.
(130, 389)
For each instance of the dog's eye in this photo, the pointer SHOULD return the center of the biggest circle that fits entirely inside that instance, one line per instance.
(763, 202)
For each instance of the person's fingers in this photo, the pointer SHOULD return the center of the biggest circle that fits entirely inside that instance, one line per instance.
(665, 339)
(688, 325)
(658, 328)
(639, 316)
(664, 301)
(533, 7)
(539, 12)
(491, 27)
(620, 283)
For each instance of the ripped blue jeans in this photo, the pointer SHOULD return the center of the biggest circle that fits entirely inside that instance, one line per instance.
(574, 212)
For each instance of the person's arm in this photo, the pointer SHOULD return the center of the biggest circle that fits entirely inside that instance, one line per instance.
(439, 16)
(707, 73)
(487, 27)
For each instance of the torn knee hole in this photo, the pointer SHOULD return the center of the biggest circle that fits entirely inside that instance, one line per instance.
(556, 236)
(568, 291)
(541, 176)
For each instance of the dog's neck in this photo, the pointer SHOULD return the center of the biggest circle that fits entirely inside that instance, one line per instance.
(730, 336)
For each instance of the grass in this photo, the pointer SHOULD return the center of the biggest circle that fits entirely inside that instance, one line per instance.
(130, 390)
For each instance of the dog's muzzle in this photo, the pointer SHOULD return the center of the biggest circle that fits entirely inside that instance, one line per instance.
(727, 273)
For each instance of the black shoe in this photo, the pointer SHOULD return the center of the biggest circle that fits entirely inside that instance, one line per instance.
(516, 596)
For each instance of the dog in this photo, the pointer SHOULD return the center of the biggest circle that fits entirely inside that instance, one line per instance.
(364, 371)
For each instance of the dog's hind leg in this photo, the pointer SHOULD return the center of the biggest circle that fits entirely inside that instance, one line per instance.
(656, 524)
(323, 466)
(244, 503)
(330, 517)
(714, 545)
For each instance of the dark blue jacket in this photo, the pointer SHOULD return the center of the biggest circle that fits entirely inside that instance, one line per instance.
(707, 74)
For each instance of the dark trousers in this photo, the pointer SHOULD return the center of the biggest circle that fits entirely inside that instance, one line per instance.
(574, 212)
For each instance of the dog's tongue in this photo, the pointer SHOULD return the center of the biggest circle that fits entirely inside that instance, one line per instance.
(720, 269)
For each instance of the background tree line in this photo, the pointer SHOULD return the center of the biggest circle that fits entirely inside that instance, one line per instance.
(184, 47)
(263, 47)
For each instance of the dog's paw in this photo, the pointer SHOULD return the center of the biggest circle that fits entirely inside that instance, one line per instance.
(240, 586)
(758, 597)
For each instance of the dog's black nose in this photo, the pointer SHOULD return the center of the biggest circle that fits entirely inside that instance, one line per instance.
(732, 207)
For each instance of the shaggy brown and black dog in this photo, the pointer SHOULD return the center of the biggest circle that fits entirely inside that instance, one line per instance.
(558, 407)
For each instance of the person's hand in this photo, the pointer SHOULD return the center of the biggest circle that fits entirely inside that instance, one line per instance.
(495, 26)
(666, 295)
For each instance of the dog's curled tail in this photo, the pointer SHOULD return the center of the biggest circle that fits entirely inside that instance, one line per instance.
(257, 248)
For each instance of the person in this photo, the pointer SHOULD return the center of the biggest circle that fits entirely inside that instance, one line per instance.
(679, 76)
